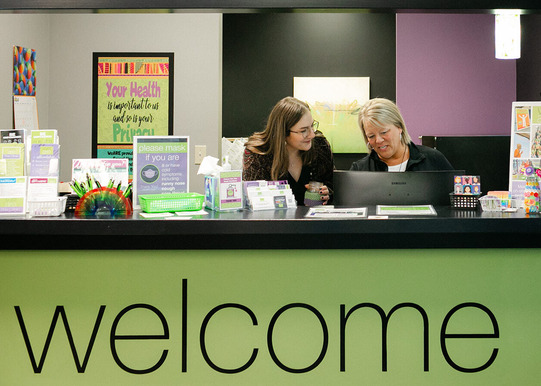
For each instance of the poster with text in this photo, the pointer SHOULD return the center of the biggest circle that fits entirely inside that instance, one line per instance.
(160, 165)
(525, 160)
(132, 96)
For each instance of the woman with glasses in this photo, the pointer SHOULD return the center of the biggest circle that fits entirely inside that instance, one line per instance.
(290, 148)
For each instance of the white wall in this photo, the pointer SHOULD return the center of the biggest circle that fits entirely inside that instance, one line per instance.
(67, 41)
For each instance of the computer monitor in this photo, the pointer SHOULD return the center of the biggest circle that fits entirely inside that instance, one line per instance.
(362, 188)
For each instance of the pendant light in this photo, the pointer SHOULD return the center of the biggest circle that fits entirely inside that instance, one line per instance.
(507, 34)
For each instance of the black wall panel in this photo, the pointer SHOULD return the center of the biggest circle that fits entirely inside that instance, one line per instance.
(529, 65)
(263, 52)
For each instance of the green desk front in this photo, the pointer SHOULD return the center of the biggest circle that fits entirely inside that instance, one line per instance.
(164, 314)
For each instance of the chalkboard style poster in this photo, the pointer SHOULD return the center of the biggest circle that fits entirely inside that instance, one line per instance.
(132, 95)
(160, 165)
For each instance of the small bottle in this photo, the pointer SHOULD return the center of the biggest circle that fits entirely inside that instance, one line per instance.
(226, 165)
(312, 196)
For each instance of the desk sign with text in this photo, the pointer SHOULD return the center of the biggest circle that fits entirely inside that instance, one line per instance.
(160, 165)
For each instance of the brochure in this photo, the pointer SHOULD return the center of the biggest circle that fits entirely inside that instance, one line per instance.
(12, 136)
(13, 195)
(405, 210)
(12, 159)
(337, 213)
(44, 136)
(45, 160)
(42, 188)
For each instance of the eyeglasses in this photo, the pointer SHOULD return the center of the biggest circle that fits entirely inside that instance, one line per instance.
(307, 130)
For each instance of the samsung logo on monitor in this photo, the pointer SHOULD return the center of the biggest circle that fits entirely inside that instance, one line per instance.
(398, 183)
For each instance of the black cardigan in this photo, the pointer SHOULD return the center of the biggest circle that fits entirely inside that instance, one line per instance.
(422, 158)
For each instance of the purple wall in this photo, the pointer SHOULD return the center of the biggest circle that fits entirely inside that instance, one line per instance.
(447, 79)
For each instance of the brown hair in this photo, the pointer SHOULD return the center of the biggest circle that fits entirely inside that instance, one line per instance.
(285, 114)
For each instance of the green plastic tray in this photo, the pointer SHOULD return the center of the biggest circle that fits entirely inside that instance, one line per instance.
(173, 202)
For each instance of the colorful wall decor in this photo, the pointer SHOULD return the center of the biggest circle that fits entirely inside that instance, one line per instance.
(24, 71)
(525, 146)
(132, 96)
(335, 102)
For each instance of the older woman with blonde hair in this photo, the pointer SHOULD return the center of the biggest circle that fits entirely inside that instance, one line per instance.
(290, 148)
(389, 144)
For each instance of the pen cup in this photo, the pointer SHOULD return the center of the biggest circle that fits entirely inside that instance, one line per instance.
(312, 196)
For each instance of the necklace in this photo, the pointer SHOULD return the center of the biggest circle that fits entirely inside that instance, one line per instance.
(402, 162)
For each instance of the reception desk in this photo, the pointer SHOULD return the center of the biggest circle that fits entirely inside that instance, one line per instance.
(281, 229)
(271, 297)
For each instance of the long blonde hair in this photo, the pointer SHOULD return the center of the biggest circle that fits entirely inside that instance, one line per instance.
(284, 115)
(379, 112)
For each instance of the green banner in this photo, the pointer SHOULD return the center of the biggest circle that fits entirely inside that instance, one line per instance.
(295, 317)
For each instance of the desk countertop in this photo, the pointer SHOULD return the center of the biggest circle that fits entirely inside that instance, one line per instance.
(281, 229)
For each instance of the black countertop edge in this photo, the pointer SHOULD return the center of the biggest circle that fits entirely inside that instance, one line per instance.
(285, 229)
(259, 242)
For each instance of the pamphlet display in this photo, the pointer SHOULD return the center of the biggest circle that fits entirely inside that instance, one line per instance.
(265, 195)
(160, 165)
(525, 159)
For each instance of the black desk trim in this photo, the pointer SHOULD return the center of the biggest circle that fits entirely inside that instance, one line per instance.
(275, 230)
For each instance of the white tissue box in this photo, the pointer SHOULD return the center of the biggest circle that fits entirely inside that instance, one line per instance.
(223, 191)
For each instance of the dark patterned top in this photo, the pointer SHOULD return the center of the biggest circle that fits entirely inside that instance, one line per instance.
(258, 167)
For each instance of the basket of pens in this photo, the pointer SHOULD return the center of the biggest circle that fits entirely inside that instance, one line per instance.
(99, 201)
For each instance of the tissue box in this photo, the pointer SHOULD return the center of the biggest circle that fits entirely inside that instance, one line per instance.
(223, 191)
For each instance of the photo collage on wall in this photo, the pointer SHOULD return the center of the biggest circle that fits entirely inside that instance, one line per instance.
(525, 145)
